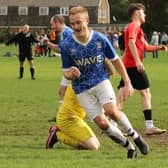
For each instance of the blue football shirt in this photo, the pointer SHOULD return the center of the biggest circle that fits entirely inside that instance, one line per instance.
(67, 31)
(88, 58)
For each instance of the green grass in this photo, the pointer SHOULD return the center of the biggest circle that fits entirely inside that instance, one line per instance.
(26, 105)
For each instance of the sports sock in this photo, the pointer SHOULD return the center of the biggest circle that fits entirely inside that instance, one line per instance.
(113, 123)
(149, 124)
(148, 118)
(21, 72)
(127, 127)
(117, 136)
(32, 71)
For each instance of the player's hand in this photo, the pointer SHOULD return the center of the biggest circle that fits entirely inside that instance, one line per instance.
(45, 41)
(128, 90)
(140, 67)
(163, 47)
(75, 72)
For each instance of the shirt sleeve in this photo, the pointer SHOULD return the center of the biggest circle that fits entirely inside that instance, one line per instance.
(133, 29)
(67, 62)
(109, 49)
(14, 39)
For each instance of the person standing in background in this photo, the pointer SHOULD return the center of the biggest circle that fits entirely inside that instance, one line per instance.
(135, 45)
(25, 40)
(155, 41)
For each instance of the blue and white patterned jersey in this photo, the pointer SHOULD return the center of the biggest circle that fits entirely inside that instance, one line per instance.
(67, 31)
(88, 58)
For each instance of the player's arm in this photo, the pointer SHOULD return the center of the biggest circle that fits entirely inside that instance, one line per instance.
(51, 45)
(13, 39)
(134, 52)
(109, 66)
(119, 66)
(33, 39)
(151, 48)
(70, 72)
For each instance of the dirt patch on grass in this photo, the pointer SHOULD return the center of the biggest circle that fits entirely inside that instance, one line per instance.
(158, 140)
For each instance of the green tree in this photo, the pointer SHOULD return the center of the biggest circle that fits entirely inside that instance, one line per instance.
(156, 11)
(119, 10)
(157, 14)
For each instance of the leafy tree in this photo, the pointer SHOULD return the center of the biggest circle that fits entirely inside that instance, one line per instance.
(119, 10)
(156, 11)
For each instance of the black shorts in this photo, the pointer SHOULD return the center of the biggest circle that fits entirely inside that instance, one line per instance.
(22, 57)
(139, 80)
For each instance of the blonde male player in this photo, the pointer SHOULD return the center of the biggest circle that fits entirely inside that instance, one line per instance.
(83, 55)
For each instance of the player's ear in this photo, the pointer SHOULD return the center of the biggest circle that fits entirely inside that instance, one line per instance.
(88, 20)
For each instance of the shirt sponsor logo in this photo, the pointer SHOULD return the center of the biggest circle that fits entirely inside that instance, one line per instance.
(88, 60)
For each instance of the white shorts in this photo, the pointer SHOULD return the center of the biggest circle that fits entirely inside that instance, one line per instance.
(93, 99)
(64, 81)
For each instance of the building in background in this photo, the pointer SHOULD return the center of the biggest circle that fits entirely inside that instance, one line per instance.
(36, 13)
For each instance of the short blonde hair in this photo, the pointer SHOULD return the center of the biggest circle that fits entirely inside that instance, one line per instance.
(78, 9)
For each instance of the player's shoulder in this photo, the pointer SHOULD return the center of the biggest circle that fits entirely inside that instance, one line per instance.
(98, 35)
(66, 41)
(132, 25)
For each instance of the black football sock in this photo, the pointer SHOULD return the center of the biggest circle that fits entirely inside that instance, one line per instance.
(32, 71)
(21, 72)
(148, 118)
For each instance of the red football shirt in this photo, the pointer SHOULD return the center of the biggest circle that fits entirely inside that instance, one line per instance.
(133, 31)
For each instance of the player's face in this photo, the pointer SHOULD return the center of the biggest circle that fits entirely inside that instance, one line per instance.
(142, 15)
(55, 25)
(25, 29)
(79, 23)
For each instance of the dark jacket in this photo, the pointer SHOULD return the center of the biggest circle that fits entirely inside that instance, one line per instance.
(24, 41)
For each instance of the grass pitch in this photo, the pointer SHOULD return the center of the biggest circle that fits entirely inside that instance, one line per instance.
(26, 105)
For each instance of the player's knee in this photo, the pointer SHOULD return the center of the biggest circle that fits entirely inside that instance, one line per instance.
(94, 146)
(103, 124)
(146, 94)
(92, 143)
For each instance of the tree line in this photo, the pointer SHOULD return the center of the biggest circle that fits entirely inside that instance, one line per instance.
(156, 13)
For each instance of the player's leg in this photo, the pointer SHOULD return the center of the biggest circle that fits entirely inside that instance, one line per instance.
(107, 99)
(62, 89)
(141, 83)
(73, 132)
(21, 69)
(95, 112)
(79, 132)
(120, 98)
(112, 110)
(61, 92)
(21, 65)
(147, 110)
(32, 69)
(55, 135)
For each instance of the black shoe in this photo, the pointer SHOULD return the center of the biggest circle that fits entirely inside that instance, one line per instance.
(52, 119)
(131, 154)
(142, 145)
(20, 77)
(52, 138)
(33, 78)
